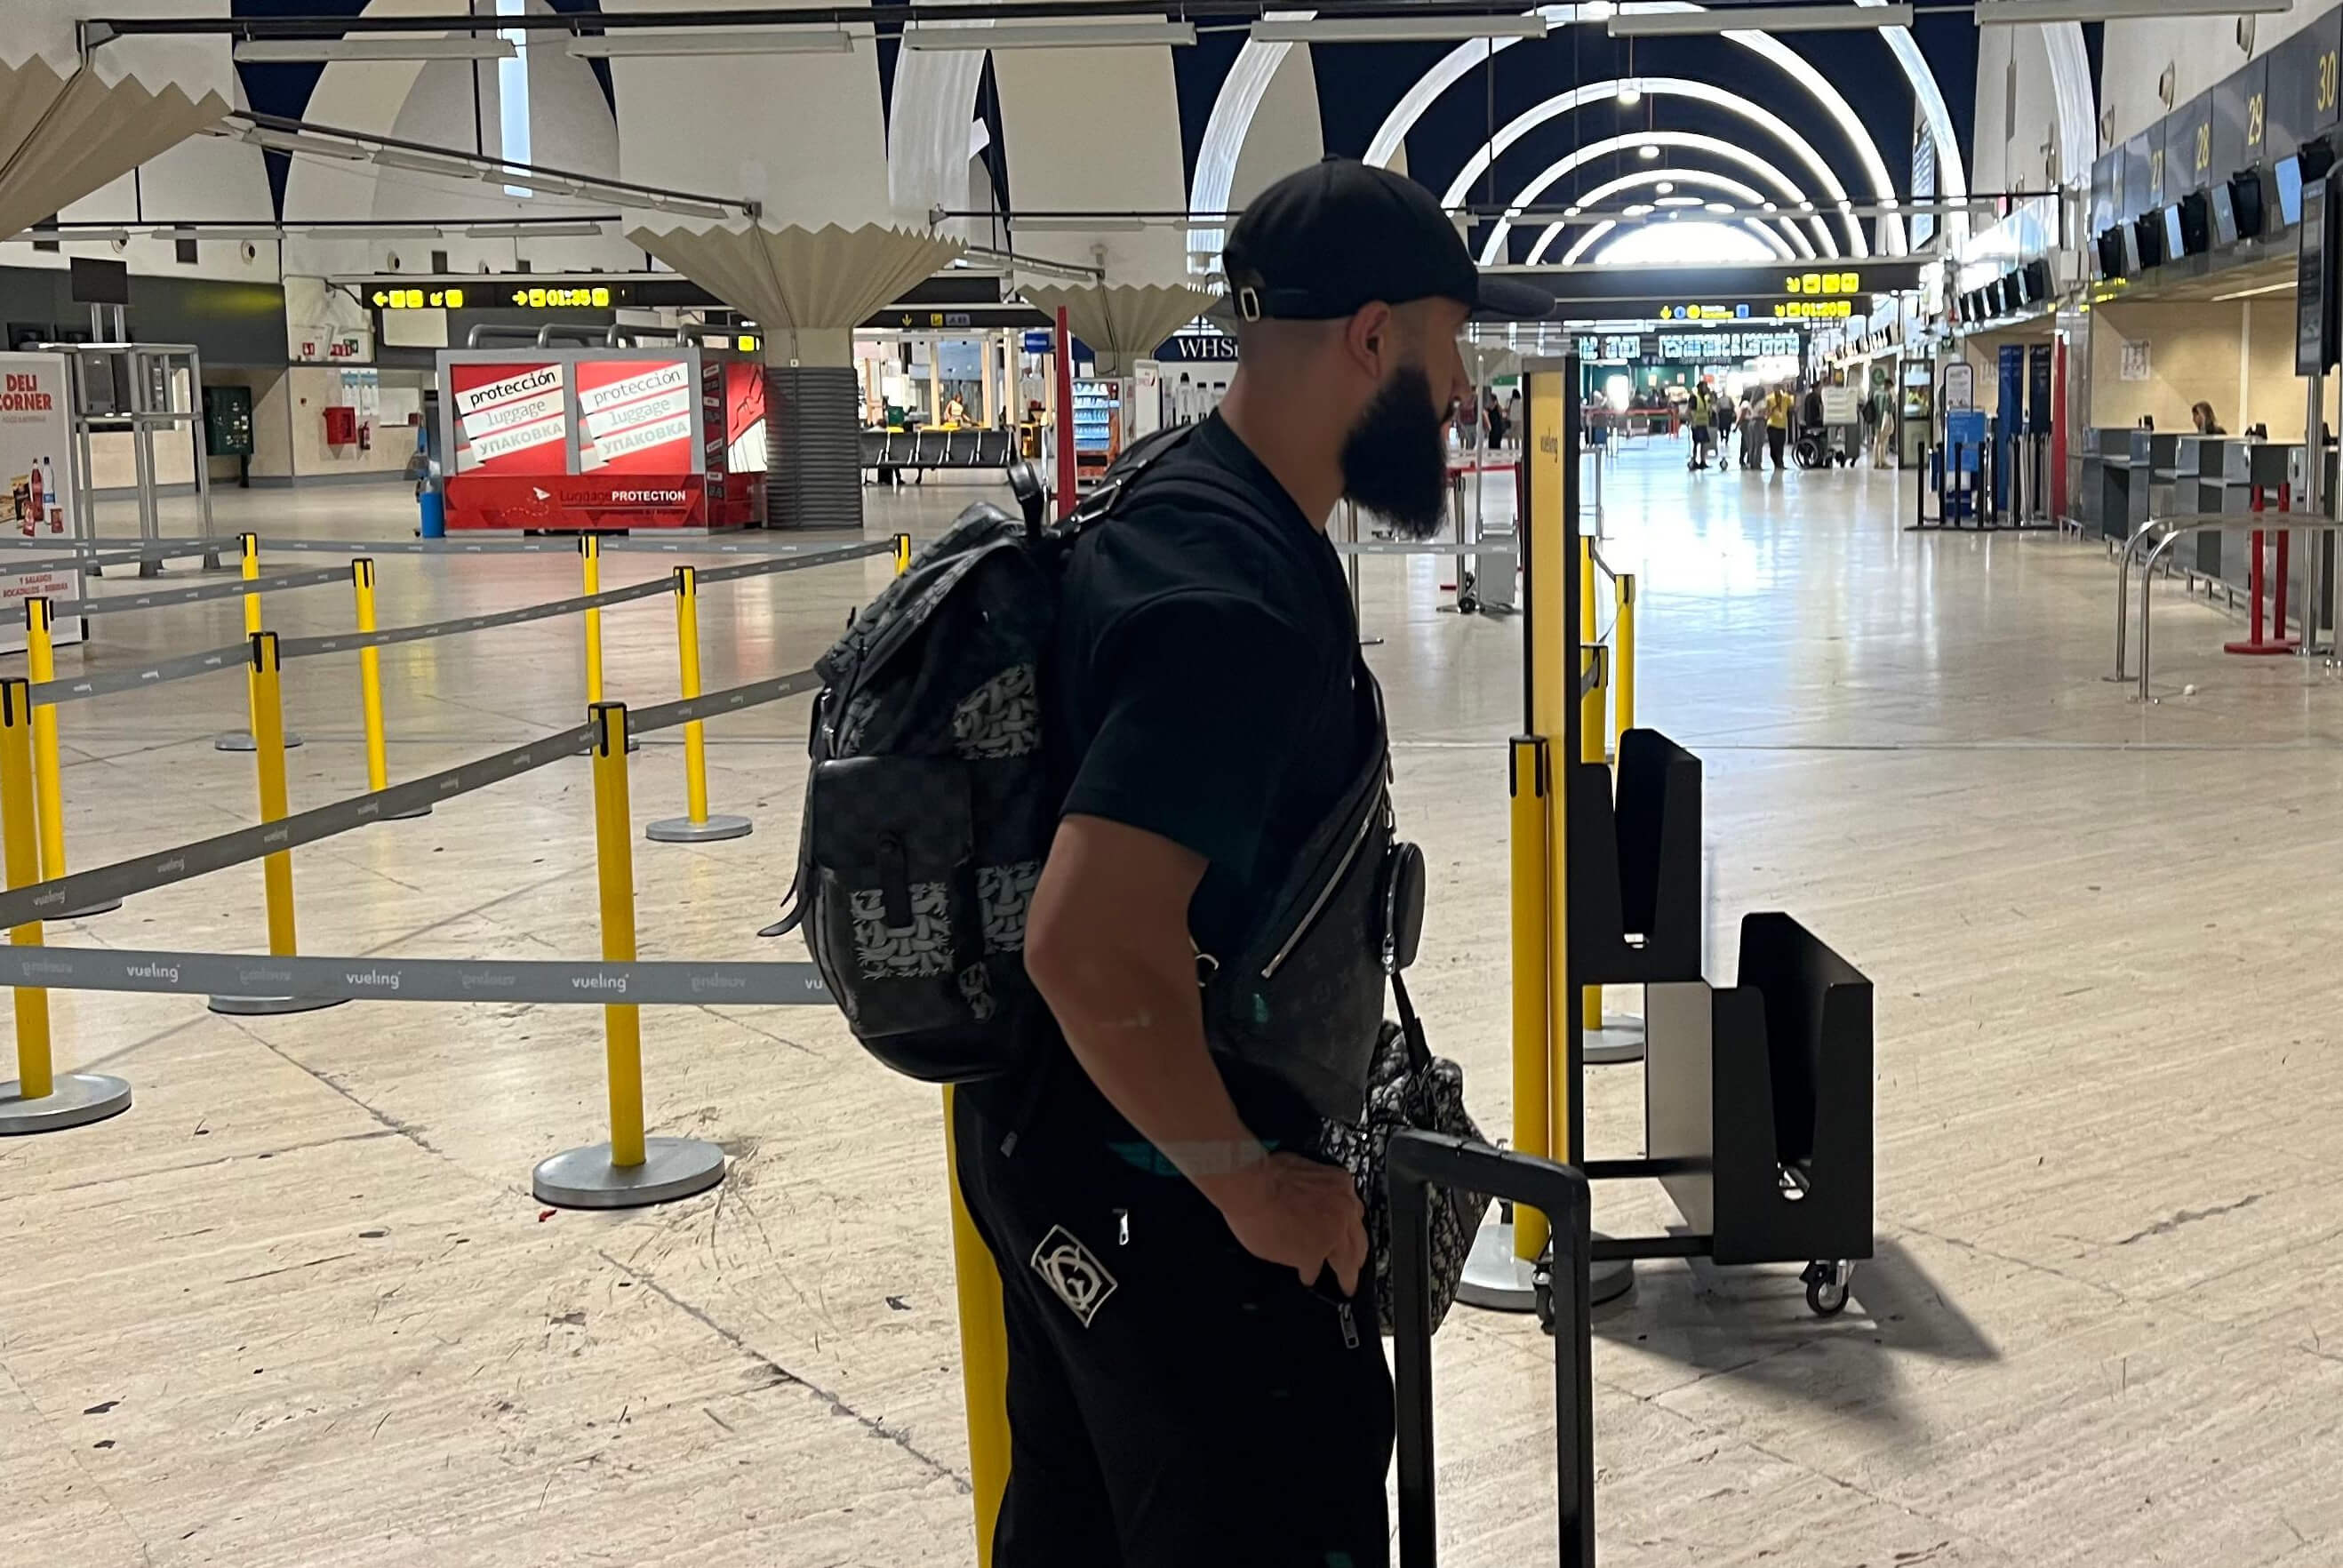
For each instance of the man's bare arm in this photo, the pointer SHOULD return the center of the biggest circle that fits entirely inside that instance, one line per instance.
(1107, 943)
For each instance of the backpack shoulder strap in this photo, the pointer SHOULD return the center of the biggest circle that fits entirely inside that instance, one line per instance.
(1136, 461)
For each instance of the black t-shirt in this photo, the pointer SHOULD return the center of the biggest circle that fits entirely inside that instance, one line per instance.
(1201, 690)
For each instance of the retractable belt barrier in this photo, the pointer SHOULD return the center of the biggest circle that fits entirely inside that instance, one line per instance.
(652, 984)
(76, 689)
(47, 900)
(137, 549)
(110, 603)
(348, 642)
(84, 561)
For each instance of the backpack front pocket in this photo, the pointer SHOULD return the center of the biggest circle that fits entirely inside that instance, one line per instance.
(898, 929)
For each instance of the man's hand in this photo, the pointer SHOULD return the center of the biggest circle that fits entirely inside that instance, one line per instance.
(1298, 1212)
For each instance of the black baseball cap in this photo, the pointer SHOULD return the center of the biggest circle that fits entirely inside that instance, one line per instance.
(1326, 241)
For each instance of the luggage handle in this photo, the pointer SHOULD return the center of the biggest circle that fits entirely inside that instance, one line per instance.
(1416, 1161)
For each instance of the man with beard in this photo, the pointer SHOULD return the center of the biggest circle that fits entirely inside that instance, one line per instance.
(1194, 1370)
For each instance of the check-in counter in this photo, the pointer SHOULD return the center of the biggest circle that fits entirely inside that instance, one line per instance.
(2106, 499)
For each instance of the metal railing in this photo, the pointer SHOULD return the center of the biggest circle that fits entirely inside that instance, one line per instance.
(2167, 532)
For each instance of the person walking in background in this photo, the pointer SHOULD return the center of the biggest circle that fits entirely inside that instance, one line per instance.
(1702, 422)
(1778, 404)
(1724, 411)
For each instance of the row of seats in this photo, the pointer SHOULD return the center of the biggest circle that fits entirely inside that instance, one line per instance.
(938, 448)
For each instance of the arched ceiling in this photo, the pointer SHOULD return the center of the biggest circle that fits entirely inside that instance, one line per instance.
(1477, 120)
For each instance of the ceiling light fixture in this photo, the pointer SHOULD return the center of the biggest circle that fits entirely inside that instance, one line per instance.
(1667, 187)
(454, 169)
(2289, 286)
(1760, 19)
(1647, 152)
(2017, 13)
(1063, 224)
(534, 231)
(1396, 29)
(1049, 35)
(375, 231)
(1630, 95)
(307, 146)
(682, 205)
(376, 46)
(680, 45)
(222, 232)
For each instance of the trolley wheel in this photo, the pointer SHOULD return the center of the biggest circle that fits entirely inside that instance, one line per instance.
(1826, 1287)
(1542, 1291)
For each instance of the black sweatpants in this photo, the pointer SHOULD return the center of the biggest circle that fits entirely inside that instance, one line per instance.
(1173, 1400)
(1775, 438)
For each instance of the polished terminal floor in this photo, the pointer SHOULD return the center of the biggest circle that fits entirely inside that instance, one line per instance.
(299, 1307)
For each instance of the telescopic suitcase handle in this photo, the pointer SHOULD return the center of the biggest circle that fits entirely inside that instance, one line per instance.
(1416, 1161)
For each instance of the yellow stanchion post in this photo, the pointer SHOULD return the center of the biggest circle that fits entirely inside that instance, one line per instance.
(983, 1354)
(1622, 659)
(249, 564)
(632, 1169)
(1499, 1274)
(49, 772)
(266, 689)
(589, 549)
(903, 554)
(696, 826)
(38, 1099)
(362, 583)
(1529, 782)
(1592, 725)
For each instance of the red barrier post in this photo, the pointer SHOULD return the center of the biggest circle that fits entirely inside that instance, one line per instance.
(1066, 473)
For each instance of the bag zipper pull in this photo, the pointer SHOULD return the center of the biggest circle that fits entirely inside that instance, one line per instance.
(1350, 1326)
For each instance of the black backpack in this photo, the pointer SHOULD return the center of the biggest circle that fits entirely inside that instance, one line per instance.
(930, 805)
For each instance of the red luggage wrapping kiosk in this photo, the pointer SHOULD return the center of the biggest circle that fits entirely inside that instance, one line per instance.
(671, 436)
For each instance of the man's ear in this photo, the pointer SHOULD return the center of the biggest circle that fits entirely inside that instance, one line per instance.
(1369, 339)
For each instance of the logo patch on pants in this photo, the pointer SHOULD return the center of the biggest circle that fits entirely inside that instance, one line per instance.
(1079, 1280)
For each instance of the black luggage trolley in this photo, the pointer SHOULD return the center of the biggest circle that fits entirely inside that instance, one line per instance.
(1416, 1161)
(1757, 1110)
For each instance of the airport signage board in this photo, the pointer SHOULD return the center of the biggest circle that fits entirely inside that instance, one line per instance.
(2304, 83)
(2240, 115)
(35, 468)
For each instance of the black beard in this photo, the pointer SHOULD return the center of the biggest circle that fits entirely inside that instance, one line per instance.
(1394, 462)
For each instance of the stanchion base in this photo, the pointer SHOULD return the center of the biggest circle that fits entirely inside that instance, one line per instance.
(684, 831)
(242, 740)
(673, 1168)
(2264, 649)
(103, 907)
(1495, 1280)
(75, 1100)
(1609, 1280)
(1615, 1044)
(271, 1006)
(406, 816)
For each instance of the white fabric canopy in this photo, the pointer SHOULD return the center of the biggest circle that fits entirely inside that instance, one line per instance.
(806, 287)
(1123, 322)
(64, 135)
